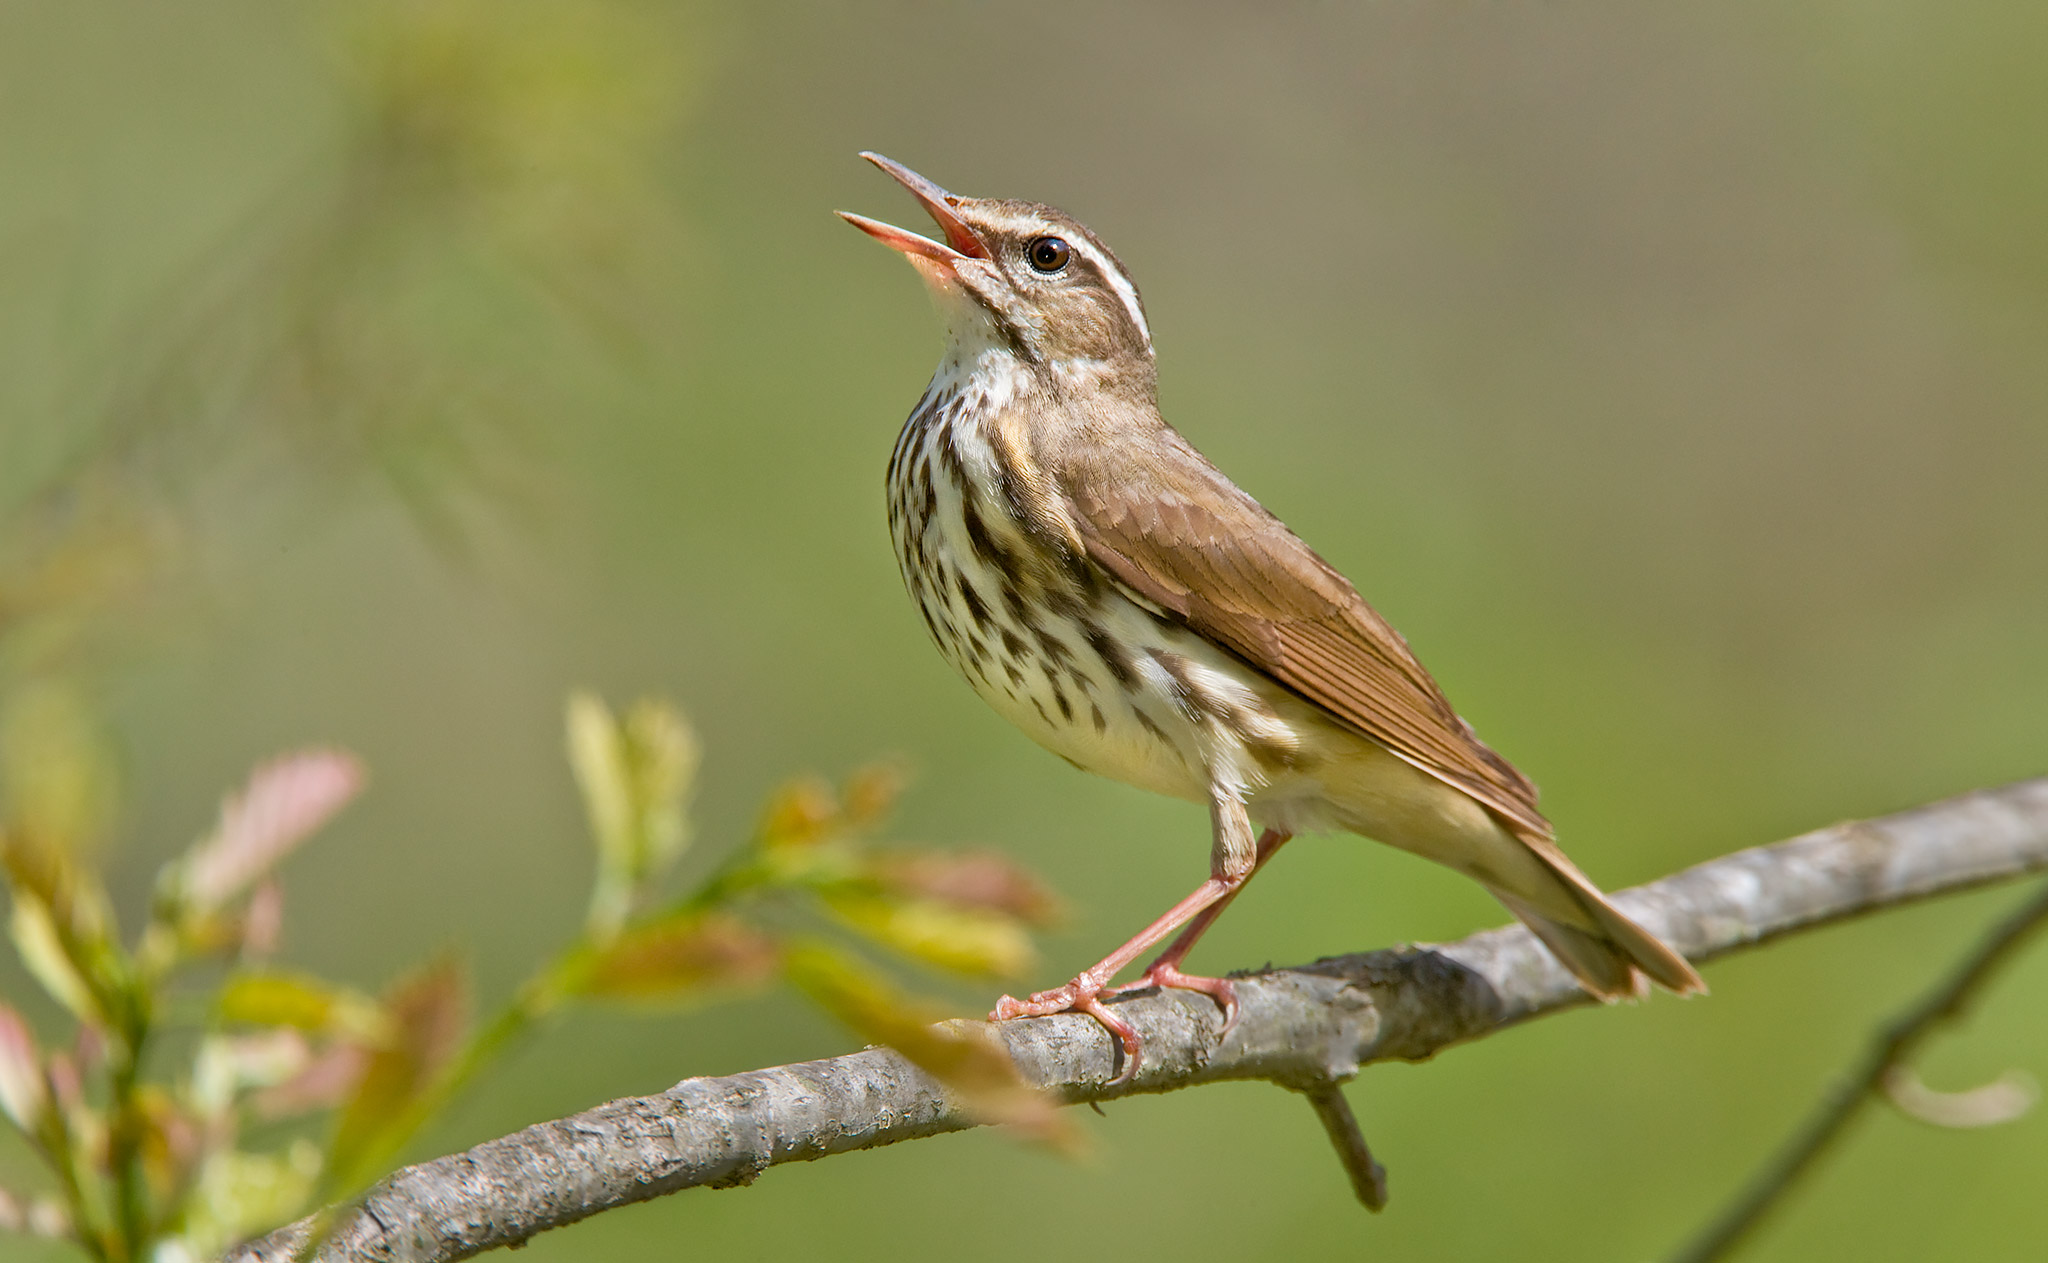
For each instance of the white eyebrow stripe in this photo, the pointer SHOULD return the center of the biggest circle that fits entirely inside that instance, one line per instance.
(1118, 282)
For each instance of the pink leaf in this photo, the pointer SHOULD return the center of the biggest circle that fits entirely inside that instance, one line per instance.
(24, 1094)
(967, 879)
(283, 803)
(327, 1080)
(263, 924)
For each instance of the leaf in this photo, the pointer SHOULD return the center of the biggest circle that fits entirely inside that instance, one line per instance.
(227, 1066)
(303, 1003)
(24, 1094)
(239, 1194)
(323, 1083)
(968, 879)
(597, 756)
(170, 1141)
(870, 793)
(67, 1082)
(665, 755)
(965, 1056)
(42, 951)
(63, 927)
(961, 939)
(802, 814)
(263, 924)
(285, 801)
(54, 768)
(635, 776)
(679, 957)
(428, 1011)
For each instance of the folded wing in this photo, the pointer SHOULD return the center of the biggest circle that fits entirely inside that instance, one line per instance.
(1190, 542)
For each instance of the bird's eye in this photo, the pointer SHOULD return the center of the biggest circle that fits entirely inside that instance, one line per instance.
(1048, 254)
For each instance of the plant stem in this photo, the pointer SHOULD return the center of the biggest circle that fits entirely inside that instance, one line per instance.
(1894, 1042)
(534, 1001)
(126, 1127)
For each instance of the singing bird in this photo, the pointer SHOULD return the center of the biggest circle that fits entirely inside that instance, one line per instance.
(1110, 592)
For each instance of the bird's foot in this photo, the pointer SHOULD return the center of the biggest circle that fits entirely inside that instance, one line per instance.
(1085, 995)
(1165, 973)
(1082, 995)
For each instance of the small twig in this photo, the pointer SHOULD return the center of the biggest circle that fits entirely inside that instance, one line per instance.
(1368, 1178)
(1894, 1043)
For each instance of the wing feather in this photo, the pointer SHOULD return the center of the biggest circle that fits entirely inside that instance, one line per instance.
(1194, 545)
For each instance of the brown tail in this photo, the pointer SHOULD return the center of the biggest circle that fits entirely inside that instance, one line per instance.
(1611, 954)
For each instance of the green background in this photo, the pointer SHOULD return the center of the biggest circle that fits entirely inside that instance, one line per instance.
(1672, 376)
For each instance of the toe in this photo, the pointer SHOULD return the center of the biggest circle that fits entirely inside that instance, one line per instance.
(1221, 990)
(1123, 1032)
(1226, 999)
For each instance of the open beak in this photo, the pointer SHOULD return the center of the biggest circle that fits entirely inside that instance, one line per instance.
(960, 243)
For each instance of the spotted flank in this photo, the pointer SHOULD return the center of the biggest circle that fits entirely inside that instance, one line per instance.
(1085, 671)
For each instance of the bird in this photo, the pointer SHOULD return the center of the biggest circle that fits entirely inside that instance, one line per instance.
(1110, 592)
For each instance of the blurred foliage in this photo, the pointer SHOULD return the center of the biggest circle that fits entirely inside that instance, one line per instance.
(1670, 376)
(966, 1056)
(489, 188)
(491, 180)
(157, 1109)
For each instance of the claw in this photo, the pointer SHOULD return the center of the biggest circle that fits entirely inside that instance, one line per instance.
(1082, 995)
(1122, 1032)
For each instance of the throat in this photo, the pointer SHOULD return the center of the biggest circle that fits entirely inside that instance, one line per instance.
(983, 378)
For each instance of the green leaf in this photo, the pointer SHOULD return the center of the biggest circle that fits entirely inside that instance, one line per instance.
(597, 756)
(239, 1194)
(870, 793)
(665, 755)
(302, 1003)
(965, 1056)
(802, 814)
(635, 775)
(42, 951)
(973, 941)
(63, 926)
(679, 958)
(55, 770)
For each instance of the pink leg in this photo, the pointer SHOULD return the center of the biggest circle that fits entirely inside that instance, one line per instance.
(1165, 970)
(1083, 994)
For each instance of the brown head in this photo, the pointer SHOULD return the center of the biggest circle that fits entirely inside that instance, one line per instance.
(1025, 280)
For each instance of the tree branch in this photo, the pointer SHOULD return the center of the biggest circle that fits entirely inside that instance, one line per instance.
(1305, 1028)
(1894, 1042)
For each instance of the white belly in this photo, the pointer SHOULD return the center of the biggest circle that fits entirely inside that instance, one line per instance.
(1072, 665)
(1130, 729)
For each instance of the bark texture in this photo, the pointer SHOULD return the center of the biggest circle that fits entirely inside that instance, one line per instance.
(1305, 1028)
